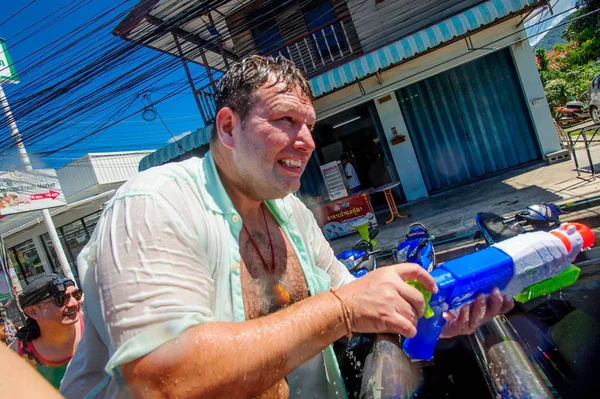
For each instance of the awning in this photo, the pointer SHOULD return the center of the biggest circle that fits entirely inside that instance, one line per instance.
(184, 145)
(419, 42)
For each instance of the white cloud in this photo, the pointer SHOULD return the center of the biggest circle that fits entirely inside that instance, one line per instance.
(178, 137)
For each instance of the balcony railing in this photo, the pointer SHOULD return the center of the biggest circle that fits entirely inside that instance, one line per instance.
(321, 49)
(206, 102)
(314, 52)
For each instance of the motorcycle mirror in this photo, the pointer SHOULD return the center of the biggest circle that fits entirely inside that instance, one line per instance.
(373, 233)
(361, 245)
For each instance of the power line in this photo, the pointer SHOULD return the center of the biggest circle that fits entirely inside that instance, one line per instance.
(112, 71)
(17, 12)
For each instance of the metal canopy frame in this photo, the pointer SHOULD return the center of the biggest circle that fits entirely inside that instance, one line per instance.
(586, 141)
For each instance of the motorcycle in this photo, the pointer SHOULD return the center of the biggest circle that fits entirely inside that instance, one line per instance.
(495, 228)
(361, 259)
(573, 113)
(417, 248)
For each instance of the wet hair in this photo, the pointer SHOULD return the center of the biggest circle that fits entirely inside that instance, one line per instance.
(237, 88)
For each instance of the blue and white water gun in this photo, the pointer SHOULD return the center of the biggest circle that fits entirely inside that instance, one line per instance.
(523, 267)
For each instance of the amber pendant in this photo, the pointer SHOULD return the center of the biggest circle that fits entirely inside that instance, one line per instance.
(282, 297)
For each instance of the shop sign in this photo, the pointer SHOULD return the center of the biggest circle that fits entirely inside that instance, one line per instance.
(29, 191)
(338, 218)
(7, 69)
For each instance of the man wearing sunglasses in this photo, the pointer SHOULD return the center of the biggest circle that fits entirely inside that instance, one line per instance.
(54, 325)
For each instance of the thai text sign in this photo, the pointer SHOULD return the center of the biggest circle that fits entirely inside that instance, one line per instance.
(337, 218)
(29, 191)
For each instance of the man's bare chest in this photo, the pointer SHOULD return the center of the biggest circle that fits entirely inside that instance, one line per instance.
(258, 280)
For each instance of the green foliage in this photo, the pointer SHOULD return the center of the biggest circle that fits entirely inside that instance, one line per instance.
(586, 32)
(552, 38)
(542, 58)
(566, 85)
(578, 68)
(577, 26)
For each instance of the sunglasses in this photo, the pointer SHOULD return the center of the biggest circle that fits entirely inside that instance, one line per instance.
(63, 298)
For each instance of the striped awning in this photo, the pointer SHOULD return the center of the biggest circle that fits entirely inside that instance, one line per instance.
(419, 42)
(184, 145)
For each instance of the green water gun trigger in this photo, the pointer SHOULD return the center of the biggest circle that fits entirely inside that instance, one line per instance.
(428, 311)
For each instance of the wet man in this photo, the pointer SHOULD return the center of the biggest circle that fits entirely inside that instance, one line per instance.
(209, 278)
(53, 327)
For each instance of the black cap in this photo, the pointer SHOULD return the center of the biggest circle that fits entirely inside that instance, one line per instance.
(43, 288)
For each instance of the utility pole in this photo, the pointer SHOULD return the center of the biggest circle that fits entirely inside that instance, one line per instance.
(62, 258)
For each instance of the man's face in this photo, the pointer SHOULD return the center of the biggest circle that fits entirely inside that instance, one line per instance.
(344, 162)
(274, 142)
(47, 311)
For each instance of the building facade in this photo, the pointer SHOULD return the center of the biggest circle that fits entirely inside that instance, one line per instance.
(87, 183)
(430, 94)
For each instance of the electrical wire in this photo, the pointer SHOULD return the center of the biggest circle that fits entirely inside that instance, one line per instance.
(17, 12)
(113, 77)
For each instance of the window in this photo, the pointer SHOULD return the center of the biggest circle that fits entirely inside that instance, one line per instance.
(76, 237)
(269, 24)
(330, 38)
(73, 237)
(51, 253)
(17, 267)
(91, 221)
(26, 260)
(317, 14)
(265, 31)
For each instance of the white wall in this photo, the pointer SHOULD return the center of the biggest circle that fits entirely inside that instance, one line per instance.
(405, 158)
(76, 176)
(536, 98)
(116, 167)
(92, 173)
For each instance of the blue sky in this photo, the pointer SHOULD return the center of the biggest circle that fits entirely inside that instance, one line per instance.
(179, 113)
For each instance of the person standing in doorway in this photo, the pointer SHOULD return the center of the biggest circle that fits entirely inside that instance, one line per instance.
(350, 172)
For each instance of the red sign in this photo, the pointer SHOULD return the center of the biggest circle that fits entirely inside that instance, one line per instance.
(337, 218)
(49, 195)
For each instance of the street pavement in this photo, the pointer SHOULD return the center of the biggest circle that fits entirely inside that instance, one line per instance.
(450, 216)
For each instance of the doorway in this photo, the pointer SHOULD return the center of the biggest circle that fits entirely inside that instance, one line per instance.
(357, 133)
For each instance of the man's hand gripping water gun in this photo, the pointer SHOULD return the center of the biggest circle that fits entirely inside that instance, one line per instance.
(523, 267)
